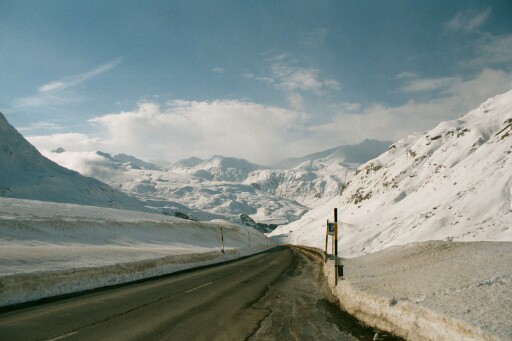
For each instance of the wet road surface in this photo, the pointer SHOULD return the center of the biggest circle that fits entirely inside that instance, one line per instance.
(279, 294)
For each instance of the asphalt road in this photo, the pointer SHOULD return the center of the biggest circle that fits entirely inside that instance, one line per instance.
(275, 295)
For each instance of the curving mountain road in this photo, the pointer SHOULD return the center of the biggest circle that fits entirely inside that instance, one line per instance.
(275, 295)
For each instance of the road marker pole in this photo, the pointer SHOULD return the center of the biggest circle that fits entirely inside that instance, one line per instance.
(335, 246)
(222, 239)
(326, 236)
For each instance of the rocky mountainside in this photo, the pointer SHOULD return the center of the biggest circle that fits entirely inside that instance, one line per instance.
(316, 178)
(452, 183)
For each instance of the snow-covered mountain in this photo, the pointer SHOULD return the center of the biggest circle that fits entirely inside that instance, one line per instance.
(451, 183)
(311, 183)
(197, 197)
(133, 162)
(212, 189)
(347, 154)
(315, 178)
(228, 199)
(26, 174)
(218, 168)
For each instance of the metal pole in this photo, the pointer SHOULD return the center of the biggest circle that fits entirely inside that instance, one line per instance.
(326, 236)
(335, 246)
(222, 239)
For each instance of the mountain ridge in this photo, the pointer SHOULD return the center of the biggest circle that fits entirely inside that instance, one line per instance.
(452, 183)
(27, 174)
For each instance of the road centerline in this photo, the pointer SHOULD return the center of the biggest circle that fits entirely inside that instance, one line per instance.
(198, 287)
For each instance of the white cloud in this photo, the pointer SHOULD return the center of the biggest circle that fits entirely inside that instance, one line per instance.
(70, 81)
(316, 37)
(489, 49)
(428, 84)
(69, 141)
(86, 163)
(295, 100)
(184, 128)
(57, 92)
(218, 70)
(265, 134)
(395, 122)
(405, 75)
(40, 126)
(346, 107)
(492, 49)
(469, 20)
(285, 76)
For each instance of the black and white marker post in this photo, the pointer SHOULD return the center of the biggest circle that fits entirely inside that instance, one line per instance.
(332, 230)
(335, 246)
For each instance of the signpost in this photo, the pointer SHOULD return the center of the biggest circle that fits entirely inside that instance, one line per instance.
(335, 246)
(332, 230)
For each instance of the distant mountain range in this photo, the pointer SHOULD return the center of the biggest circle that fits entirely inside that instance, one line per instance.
(226, 187)
(347, 154)
(217, 168)
(317, 177)
(216, 188)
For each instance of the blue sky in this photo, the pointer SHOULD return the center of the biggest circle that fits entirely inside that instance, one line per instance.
(262, 80)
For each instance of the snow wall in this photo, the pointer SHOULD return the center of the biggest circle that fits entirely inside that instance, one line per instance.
(403, 319)
(49, 249)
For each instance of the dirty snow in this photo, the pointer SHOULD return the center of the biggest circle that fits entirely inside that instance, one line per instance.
(432, 290)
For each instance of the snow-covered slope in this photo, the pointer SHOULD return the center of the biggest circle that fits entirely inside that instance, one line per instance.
(25, 173)
(318, 177)
(218, 168)
(451, 183)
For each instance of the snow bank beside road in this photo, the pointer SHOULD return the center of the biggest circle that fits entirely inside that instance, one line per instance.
(49, 249)
(432, 290)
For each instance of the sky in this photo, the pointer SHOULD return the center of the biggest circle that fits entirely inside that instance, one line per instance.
(260, 80)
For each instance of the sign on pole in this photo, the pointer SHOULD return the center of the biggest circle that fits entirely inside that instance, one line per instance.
(331, 226)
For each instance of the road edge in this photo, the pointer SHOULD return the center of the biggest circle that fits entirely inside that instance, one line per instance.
(27, 289)
(404, 319)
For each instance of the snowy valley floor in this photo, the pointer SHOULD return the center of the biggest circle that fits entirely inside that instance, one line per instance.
(432, 290)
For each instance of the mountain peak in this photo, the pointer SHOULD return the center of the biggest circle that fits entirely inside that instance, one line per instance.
(26, 174)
